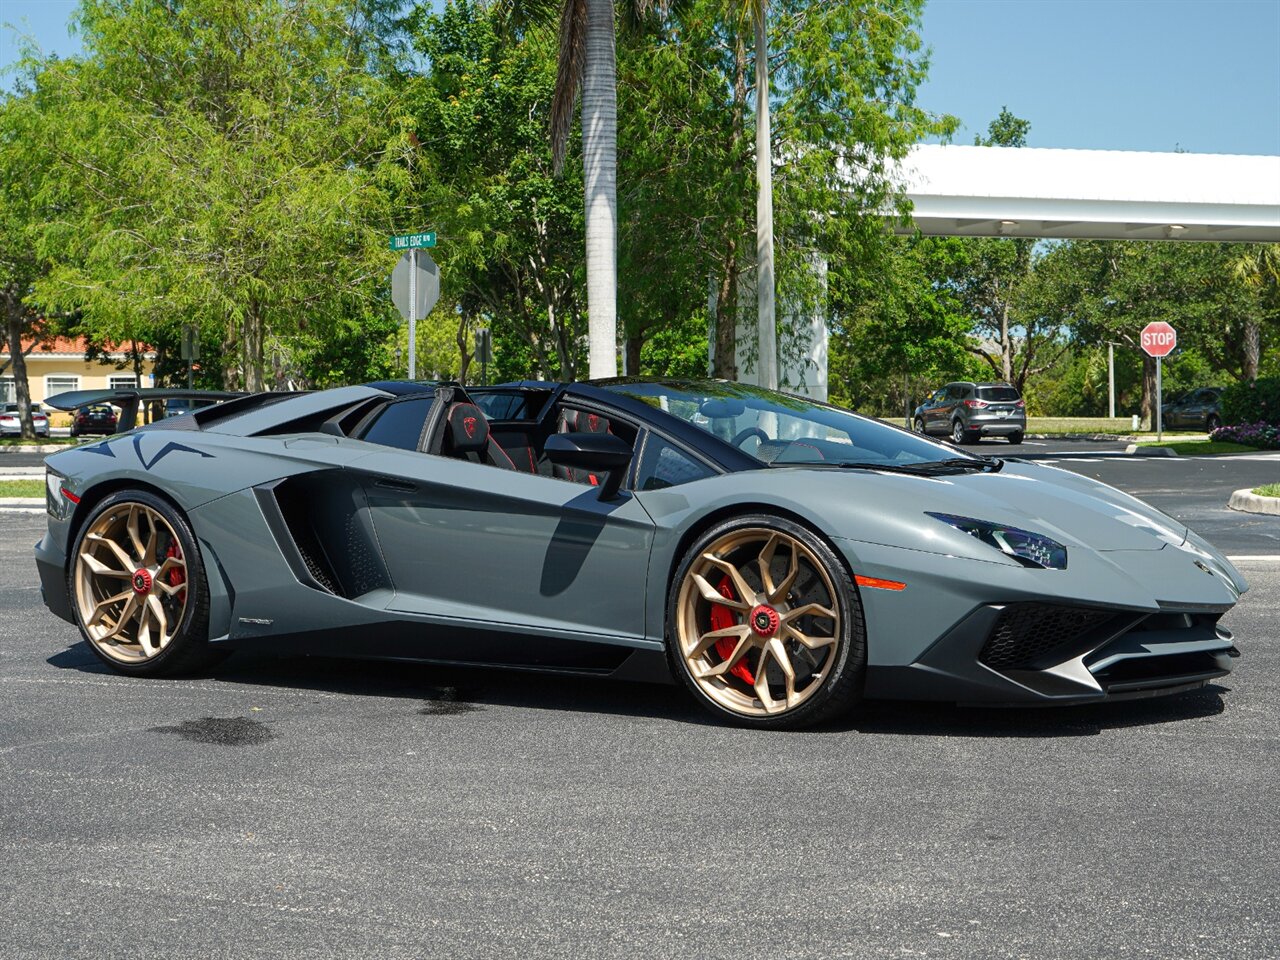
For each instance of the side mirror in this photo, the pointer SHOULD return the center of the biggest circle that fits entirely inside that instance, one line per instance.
(600, 453)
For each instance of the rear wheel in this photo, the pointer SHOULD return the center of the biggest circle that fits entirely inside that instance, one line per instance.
(1015, 437)
(138, 587)
(959, 434)
(765, 626)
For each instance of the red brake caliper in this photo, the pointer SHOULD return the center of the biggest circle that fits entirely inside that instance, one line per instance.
(721, 619)
(176, 575)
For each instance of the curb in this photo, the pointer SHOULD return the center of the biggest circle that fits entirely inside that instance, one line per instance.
(21, 505)
(1246, 501)
(1134, 450)
(35, 448)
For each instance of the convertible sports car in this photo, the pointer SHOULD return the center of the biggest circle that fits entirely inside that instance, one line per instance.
(781, 558)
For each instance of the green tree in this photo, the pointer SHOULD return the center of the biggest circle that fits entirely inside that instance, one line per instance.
(238, 167)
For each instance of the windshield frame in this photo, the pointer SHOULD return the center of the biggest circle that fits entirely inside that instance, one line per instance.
(638, 392)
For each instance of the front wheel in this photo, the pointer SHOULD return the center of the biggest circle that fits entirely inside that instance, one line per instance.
(764, 625)
(138, 587)
(1214, 422)
(919, 425)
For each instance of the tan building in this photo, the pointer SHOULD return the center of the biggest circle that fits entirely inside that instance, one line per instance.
(60, 365)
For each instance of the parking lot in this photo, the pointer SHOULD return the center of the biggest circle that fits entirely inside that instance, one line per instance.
(309, 808)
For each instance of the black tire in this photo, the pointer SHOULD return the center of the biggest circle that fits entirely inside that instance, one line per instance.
(919, 425)
(959, 434)
(1213, 423)
(188, 651)
(1015, 438)
(843, 682)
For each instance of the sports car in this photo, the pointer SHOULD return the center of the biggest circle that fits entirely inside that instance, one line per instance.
(779, 557)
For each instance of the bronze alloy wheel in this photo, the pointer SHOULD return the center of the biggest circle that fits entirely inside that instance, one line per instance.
(757, 621)
(130, 582)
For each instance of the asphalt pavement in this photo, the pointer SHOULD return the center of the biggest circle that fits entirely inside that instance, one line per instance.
(317, 808)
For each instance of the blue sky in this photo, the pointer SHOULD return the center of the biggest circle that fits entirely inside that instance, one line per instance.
(1203, 75)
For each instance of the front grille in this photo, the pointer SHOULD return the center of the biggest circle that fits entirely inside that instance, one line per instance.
(1031, 636)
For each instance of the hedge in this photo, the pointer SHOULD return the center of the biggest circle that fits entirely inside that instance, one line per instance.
(1264, 436)
(1250, 403)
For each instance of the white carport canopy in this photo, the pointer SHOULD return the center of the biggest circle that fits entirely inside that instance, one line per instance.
(1092, 194)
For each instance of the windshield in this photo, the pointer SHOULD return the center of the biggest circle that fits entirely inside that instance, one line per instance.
(778, 428)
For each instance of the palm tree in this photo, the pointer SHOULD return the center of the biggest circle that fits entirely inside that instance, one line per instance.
(1259, 268)
(588, 62)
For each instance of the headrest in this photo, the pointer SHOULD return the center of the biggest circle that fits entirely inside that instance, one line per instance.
(468, 429)
(576, 421)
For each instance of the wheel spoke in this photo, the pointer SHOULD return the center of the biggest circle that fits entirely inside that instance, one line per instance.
(125, 560)
(102, 606)
(713, 595)
(100, 569)
(781, 590)
(809, 609)
(160, 617)
(135, 535)
(765, 561)
(745, 593)
(149, 554)
(170, 564)
(720, 669)
(126, 614)
(812, 643)
(783, 659)
(762, 684)
(707, 639)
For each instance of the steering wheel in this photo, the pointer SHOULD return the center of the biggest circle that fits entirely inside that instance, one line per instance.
(749, 432)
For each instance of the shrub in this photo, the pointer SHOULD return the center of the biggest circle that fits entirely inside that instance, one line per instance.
(1255, 402)
(1265, 436)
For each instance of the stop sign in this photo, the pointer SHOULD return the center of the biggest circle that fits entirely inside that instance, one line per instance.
(1158, 339)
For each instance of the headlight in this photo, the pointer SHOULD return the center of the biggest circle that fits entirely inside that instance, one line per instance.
(1030, 549)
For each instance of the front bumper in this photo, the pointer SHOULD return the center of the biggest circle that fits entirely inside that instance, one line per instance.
(1047, 653)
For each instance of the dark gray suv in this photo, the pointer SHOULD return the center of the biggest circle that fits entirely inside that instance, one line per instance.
(966, 412)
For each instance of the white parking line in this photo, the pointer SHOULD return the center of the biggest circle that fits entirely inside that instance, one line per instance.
(1256, 558)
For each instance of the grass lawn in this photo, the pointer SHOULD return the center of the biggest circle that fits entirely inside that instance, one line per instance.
(1270, 490)
(1191, 448)
(22, 488)
(21, 442)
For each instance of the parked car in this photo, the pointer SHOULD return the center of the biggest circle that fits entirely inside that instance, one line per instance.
(780, 558)
(11, 424)
(967, 411)
(1199, 408)
(97, 418)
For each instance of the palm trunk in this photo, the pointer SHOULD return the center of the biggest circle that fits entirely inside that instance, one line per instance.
(600, 172)
(1252, 349)
(767, 367)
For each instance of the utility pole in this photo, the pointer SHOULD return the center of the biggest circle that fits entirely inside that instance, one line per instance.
(1111, 380)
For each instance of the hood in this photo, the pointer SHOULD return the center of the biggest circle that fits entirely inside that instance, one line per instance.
(1066, 506)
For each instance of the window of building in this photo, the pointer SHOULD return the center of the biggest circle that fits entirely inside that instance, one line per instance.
(54, 385)
(122, 382)
(8, 390)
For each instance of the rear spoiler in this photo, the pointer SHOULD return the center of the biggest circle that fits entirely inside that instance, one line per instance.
(130, 400)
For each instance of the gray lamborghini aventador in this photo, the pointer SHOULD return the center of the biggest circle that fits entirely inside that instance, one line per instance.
(780, 557)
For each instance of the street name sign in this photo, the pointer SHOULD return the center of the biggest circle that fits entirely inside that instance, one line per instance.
(413, 241)
(1159, 339)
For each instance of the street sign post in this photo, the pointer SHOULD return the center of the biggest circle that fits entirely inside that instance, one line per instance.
(1158, 340)
(413, 241)
(415, 288)
(484, 353)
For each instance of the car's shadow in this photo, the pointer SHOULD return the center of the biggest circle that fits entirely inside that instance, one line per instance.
(446, 689)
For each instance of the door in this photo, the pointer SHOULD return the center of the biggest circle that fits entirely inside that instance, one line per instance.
(481, 546)
(935, 420)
